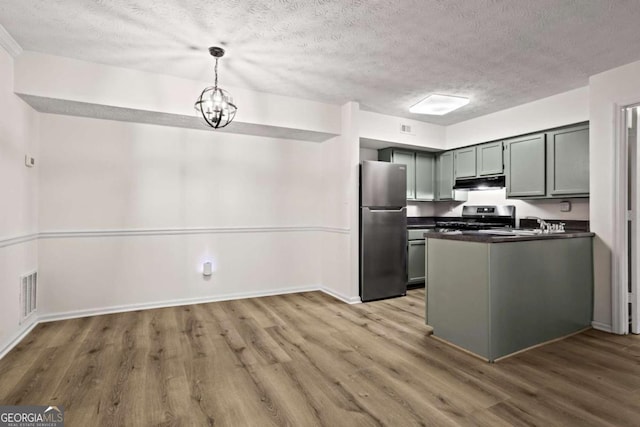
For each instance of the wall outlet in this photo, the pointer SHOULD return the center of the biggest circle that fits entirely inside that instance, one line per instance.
(29, 161)
(565, 206)
(207, 269)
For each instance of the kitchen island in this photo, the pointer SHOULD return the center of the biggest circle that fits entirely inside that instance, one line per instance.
(497, 294)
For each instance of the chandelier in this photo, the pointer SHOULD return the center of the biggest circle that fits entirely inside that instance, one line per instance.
(215, 104)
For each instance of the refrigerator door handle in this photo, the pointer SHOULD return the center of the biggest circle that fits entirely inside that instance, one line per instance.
(386, 210)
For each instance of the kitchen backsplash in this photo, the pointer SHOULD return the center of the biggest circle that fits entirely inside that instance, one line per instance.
(421, 208)
(549, 209)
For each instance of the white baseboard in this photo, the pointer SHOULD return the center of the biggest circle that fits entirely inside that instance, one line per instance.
(341, 297)
(601, 327)
(172, 303)
(162, 304)
(19, 336)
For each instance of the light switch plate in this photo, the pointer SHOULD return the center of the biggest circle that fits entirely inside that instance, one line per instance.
(565, 206)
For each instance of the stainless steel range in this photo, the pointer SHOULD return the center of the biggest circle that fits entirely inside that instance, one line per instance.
(480, 217)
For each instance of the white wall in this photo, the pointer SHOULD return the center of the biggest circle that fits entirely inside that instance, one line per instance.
(547, 209)
(340, 161)
(608, 91)
(368, 154)
(18, 199)
(558, 110)
(128, 179)
(380, 130)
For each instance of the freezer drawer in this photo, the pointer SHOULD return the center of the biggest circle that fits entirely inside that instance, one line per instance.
(383, 253)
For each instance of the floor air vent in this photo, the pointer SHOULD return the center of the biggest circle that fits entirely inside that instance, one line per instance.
(28, 295)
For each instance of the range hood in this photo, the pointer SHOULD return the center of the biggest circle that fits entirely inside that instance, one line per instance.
(483, 183)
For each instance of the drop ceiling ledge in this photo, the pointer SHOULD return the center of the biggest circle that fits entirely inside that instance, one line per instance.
(107, 112)
(84, 89)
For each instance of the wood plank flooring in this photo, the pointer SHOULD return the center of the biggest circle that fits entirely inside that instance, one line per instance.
(310, 360)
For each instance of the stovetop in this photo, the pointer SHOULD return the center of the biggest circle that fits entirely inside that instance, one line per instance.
(472, 225)
(474, 217)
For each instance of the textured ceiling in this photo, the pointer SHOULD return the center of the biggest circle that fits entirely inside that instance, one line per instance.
(387, 55)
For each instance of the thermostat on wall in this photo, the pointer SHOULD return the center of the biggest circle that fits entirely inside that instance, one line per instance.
(29, 161)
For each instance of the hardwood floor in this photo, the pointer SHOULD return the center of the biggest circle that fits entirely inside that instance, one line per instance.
(306, 360)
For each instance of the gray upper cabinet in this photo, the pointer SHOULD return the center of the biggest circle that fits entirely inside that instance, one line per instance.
(444, 176)
(481, 160)
(407, 158)
(465, 162)
(524, 160)
(489, 159)
(425, 176)
(568, 162)
(445, 180)
(548, 165)
(420, 171)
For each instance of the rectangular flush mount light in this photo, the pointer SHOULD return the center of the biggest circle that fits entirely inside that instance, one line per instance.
(438, 105)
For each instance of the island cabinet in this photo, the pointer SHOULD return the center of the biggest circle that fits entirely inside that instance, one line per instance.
(495, 299)
(420, 171)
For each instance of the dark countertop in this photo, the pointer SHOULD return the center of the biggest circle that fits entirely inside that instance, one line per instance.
(421, 222)
(474, 236)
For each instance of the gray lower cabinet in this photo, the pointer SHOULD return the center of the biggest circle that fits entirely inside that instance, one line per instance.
(464, 160)
(416, 261)
(524, 160)
(568, 162)
(489, 159)
(420, 171)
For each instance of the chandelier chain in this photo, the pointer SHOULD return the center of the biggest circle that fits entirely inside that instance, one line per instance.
(216, 71)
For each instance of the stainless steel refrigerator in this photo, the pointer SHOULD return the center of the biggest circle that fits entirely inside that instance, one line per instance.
(383, 230)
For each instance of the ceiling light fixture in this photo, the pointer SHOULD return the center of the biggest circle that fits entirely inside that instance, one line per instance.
(214, 104)
(439, 105)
